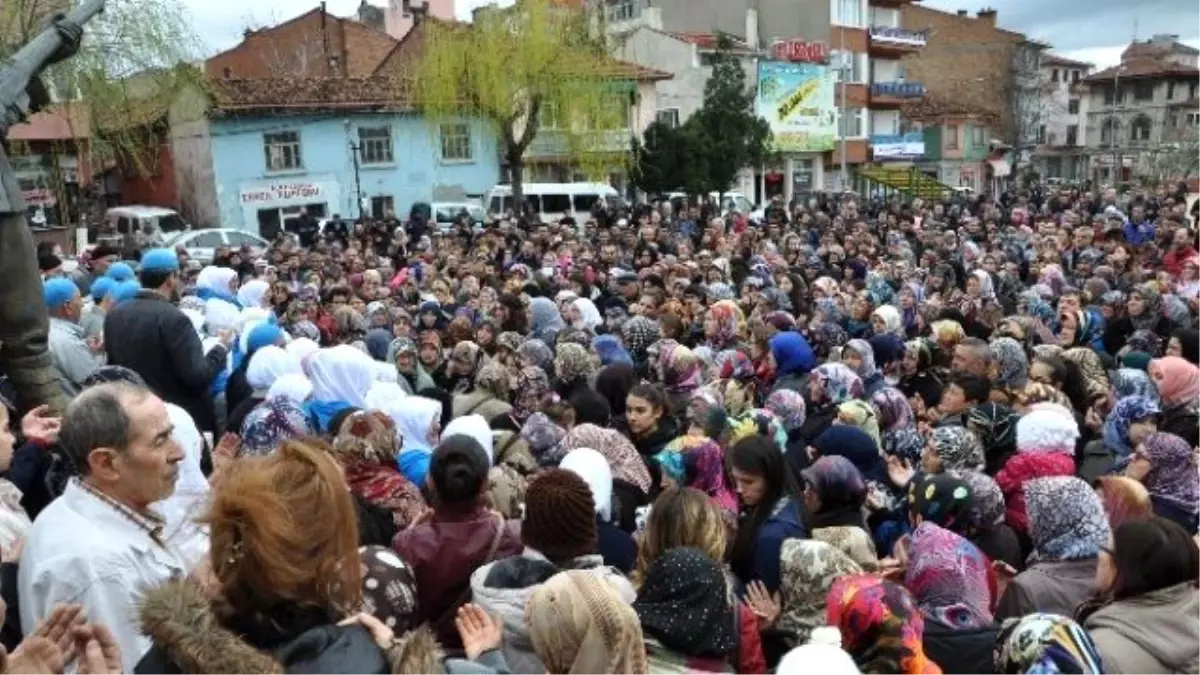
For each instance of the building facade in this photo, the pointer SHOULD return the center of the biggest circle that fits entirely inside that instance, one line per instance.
(1143, 114)
(957, 151)
(1062, 136)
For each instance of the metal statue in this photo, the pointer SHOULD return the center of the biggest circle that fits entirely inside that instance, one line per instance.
(24, 354)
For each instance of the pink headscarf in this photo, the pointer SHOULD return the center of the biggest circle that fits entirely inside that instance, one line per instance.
(1178, 380)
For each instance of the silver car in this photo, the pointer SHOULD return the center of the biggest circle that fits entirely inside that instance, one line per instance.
(201, 245)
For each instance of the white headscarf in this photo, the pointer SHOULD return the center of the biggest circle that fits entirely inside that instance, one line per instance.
(267, 365)
(472, 426)
(197, 319)
(341, 373)
(413, 420)
(190, 497)
(294, 387)
(385, 396)
(595, 470)
(221, 315)
(252, 293)
(386, 372)
(302, 348)
(217, 279)
(587, 310)
(986, 290)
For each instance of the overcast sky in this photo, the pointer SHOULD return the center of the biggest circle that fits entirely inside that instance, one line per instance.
(1089, 30)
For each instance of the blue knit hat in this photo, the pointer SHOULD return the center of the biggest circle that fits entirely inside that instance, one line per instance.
(160, 260)
(125, 290)
(120, 271)
(102, 287)
(58, 292)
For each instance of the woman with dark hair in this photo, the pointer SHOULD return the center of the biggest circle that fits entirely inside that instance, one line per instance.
(769, 502)
(613, 382)
(650, 425)
(1143, 618)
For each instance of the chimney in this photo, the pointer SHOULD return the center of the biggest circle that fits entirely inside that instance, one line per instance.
(987, 14)
(962, 12)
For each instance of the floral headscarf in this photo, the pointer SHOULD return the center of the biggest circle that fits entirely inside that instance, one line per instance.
(1152, 311)
(808, 569)
(544, 438)
(706, 409)
(537, 353)
(680, 368)
(531, 388)
(789, 406)
(761, 422)
(494, 379)
(996, 427)
(838, 383)
(1144, 340)
(572, 362)
(1124, 414)
(867, 355)
(731, 324)
(958, 448)
(881, 626)
(948, 577)
(271, 423)
(1013, 365)
(1066, 519)
(1172, 477)
(1046, 643)
(735, 365)
(703, 460)
(622, 456)
(986, 509)
(509, 340)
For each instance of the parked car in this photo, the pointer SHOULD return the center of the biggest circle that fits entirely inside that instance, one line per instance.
(446, 214)
(140, 226)
(201, 245)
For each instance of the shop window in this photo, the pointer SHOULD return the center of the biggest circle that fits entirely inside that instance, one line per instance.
(282, 151)
(375, 145)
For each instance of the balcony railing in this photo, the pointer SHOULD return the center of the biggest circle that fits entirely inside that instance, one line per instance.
(898, 36)
(898, 89)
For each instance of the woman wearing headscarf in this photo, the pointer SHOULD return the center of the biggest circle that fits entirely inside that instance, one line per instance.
(545, 321)
(341, 377)
(1178, 384)
(573, 369)
(952, 449)
(1142, 618)
(253, 293)
(1045, 643)
(681, 375)
(1166, 465)
(237, 390)
(808, 568)
(1144, 311)
(638, 334)
(462, 366)
(531, 387)
(588, 316)
(418, 423)
(948, 577)
(534, 352)
(918, 381)
(687, 618)
(218, 283)
(881, 626)
(266, 365)
(579, 624)
(489, 398)
(886, 320)
(1045, 447)
(724, 326)
(1124, 499)
(366, 447)
(698, 462)
(792, 358)
(983, 521)
(835, 495)
(632, 483)
(266, 427)
(996, 427)
(402, 352)
(432, 358)
(610, 350)
(616, 546)
(1010, 369)
(1067, 528)
(1131, 420)
(859, 357)
(829, 385)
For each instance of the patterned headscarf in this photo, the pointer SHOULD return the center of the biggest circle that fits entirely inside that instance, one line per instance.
(537, 353)
(1152, 307)
(271, 423)
(940, 498)
(572, 362)
(1046, 643)
(958, 448)
(698, 462)
(509, 340)
(578, 623)
(1124, 414)
(532, 386)
(731, 324)
(866, 354)
(622, 456)
(838, 383)
(1095, 377)
(760, 422)
(996, 427)
(898, 425)
(789, 407)
(735, 365)
(544, 438)
(948, 577)
(683, 604)
(807, 570)
(1013, 364)
(1144, 340)
(680, 368)
(1066, 519)
(1133, 382)
(986, 509)
(389, 588)
(881, 626)
(494, 379)
(1172, 477)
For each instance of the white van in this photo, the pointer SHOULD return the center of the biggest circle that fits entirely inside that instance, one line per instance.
(554, 201)
(143, 225)
(730, 201)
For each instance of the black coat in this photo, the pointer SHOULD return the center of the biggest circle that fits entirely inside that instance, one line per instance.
(150, 336)
(959, 650)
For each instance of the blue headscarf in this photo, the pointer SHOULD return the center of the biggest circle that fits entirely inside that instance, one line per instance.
(610, 350)
(1116, 426)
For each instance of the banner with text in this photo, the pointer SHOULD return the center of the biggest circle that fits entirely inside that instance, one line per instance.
(797, 100)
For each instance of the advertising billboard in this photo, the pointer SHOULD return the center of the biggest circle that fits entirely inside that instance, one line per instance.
(908, 146)
(796, 100)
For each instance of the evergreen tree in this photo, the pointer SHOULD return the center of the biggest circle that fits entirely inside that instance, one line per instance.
(664, 160)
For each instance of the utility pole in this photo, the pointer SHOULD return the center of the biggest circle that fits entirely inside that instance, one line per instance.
(354, 149)
(844, 174)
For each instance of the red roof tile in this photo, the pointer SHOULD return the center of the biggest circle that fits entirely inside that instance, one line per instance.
(1144, 67)
(57, 123)
(313, 93)
(1056, 60)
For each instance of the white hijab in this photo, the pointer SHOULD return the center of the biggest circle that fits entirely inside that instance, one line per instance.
(302, 348)
(413, 420)
(590, 316)
(221, 315)
(472, 426)
(217, 279)
(190, 497)
(252, 293)
(268, 364)
(294, 387)
(385, 396)
(341, 373)
(595, 470)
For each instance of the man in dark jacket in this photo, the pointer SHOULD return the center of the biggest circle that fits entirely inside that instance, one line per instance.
(150, 336)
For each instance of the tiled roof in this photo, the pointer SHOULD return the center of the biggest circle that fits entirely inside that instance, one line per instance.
(1144, 67)
(313, 93)
(1149, 49)
(1056, 60)
(57, 123)
(707, 40)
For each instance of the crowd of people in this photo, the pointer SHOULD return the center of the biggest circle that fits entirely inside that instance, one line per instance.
(864, 435)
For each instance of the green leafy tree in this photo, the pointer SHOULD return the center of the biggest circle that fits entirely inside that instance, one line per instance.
(729, 134)
(531, 70)
(663, 161)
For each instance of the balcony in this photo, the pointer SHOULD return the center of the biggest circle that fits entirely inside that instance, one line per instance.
(893, 94)
(895, 42)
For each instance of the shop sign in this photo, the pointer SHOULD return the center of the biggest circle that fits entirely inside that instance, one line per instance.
(290, 191)
(800, 51)
(796, 100)
(900, 36)
(907, 146)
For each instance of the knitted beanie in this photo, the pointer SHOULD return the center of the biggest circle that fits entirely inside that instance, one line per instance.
(1045, 429)
(560, 517)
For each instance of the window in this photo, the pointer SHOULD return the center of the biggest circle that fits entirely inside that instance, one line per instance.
(206, 240)
(550, 115)
(1193, 119)
(978, 136)
(1108, 96)
(375, 145)
(242, 239)
(1191, 90)
(1143, 91)
(849, 65)
(456, 142)
(555, 203)
(848, 13)
(852, 124)
(1054, 75)
(708, 59)
(1073, 106)
(951, 136)
(1072, 134)
(381, 206)
(1042, 134)
(669, 117)
(1139, 131)
(1074, 77)
(612, 113)
(282, 151)
(1170, 90)
(583, 203)
(623, 10)
(1109, 131)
